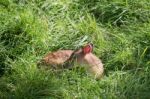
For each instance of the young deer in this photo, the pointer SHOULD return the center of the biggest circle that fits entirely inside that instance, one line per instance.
(65, 59)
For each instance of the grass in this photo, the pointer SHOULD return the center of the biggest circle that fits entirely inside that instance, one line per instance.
(119, 30)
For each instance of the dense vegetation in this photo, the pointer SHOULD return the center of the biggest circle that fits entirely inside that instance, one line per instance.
(119, 30)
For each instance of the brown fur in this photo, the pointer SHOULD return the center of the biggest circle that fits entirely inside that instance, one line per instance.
(59, 58)
(56, 59)
(92, 63)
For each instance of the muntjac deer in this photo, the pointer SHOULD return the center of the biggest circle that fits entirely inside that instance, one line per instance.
(64, 58)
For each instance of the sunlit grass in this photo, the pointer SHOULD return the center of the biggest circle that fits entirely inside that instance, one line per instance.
(119, 30)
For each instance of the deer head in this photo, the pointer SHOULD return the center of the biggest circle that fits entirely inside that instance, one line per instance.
(84, 50)
(81, 52)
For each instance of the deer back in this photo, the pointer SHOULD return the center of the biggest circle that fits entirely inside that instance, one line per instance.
(56, 59)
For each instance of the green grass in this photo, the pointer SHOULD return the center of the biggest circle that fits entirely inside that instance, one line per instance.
(119, 30)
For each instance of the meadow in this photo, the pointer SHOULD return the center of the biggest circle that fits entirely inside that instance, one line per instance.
(119, 30)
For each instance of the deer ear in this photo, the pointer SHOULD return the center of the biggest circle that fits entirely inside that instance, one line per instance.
(88, 48)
